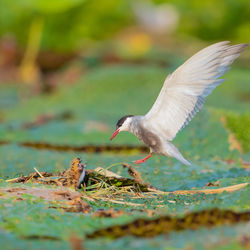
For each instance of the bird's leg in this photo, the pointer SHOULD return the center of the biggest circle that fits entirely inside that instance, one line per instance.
(143, 160)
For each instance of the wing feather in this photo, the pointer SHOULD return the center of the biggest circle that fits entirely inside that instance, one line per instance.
(185, 90)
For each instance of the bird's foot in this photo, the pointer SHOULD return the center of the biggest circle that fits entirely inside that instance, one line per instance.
(142, 160)
(139, 161)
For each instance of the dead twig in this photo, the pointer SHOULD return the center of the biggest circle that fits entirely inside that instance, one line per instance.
(122, 202)
(228, 189)
(38, 173)
(132, 172)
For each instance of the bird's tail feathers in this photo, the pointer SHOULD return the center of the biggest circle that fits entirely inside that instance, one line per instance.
(174, 152)
(184, 161)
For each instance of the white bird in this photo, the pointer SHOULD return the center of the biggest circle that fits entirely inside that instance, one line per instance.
(181, 97)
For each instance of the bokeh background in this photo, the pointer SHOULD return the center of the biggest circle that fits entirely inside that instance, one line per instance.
(69, 69)
(41, 37)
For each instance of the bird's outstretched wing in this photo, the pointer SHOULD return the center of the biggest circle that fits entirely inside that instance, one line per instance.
(185, 90)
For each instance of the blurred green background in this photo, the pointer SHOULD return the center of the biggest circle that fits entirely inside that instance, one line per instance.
(49, 34)
(69, 25)
(69, 69)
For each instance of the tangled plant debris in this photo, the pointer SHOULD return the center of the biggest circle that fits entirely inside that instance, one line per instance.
(101, 181)
(98, 184)
(77, 175)
(72, 177)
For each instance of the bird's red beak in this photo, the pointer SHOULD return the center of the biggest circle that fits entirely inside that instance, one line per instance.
(114, 134)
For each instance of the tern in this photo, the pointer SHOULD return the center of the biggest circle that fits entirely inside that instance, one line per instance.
(181, 97)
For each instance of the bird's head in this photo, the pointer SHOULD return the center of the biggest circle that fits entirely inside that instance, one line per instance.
(123, 124)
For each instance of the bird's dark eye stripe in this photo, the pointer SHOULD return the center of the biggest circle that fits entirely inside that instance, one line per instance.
(121, 121)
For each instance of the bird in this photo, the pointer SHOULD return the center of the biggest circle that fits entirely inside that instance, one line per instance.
(181, 97)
